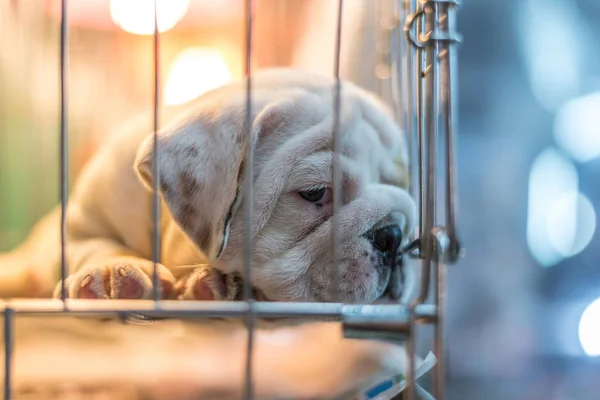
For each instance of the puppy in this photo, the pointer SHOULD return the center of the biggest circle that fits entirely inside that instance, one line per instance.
(201, 158)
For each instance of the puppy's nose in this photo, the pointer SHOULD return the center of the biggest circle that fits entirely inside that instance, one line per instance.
(387, 239)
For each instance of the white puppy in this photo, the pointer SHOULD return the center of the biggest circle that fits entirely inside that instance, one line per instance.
(201, 156)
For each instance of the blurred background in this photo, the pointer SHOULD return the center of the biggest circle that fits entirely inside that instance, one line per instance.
(523, 315)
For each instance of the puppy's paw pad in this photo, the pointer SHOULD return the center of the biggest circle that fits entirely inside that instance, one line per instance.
(128, 282)
(90, 286)
(203, 284)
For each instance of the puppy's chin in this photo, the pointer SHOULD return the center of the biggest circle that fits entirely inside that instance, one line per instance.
(384, 292)
(395, 282)
(366, 277)
(384, 284)
(385, 295)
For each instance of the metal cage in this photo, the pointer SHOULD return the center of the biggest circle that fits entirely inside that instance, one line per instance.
(421, 38)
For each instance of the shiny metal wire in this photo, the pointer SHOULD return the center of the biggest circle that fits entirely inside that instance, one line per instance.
(338, 188)
(397, 53)
(410, 99)
(395, 314)
(156, 237)
(400, 82)
(442, 244)
(449, 94)
(64, 144)
(248, 197)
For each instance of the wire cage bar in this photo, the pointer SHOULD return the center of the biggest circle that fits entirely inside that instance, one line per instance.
(156, 237)
(64, 146)
(422, 40)
(248, 188)
(337, 145)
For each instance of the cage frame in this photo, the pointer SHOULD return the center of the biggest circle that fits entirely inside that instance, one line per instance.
(423, 41)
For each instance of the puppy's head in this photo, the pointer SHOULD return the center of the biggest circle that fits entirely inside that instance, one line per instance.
(201, 159)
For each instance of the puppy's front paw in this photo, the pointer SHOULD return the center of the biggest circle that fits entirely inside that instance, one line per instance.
(123, 278)
(203, 283)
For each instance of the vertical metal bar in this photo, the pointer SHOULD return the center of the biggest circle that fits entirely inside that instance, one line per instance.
(449, 95)
(398, 46)
(442, 243)
(422, 75)
(426, 145)
(8, 351)
(434, 18)
(379, 32)
(397, 76)
(412, 110)
(411, 352)
(336, 167)
(398, 55)
(410, 102)
(156, 239)
(438, 338)
(431, 131)
(64, 147)
(420, 121)
(448, 248)
(248, 195)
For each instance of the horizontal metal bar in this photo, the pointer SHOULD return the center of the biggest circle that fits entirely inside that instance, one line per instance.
(450, 2)
(385, 322)
(213, 309)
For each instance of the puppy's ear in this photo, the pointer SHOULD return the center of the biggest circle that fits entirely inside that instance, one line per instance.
(201, 161)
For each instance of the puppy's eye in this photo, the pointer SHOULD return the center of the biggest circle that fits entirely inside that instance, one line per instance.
(321, 195)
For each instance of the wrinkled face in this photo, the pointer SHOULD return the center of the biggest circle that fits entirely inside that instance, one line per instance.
(292, 256)
(370, 232)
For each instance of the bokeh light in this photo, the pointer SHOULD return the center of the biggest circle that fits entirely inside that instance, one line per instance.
(551, 44)
(195, 71)
(589, 329)
(577, 127)
(571, 223)
(137, 16)
(552, 177)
